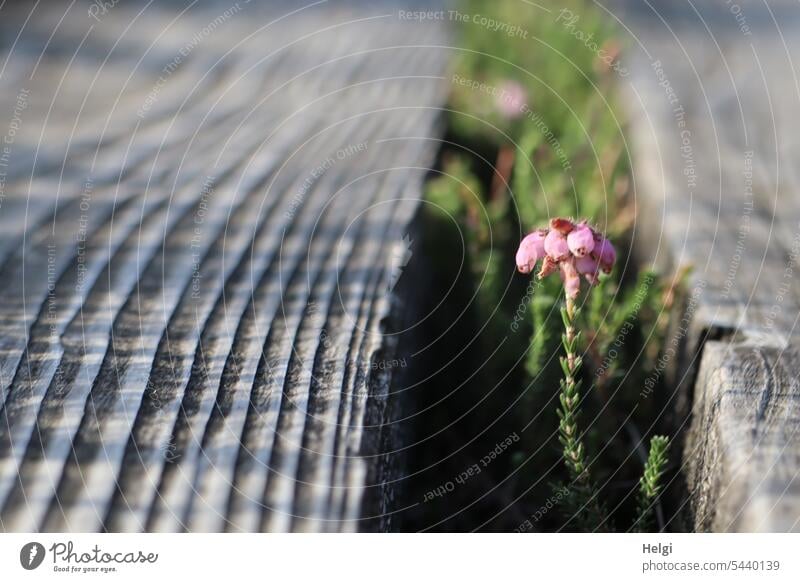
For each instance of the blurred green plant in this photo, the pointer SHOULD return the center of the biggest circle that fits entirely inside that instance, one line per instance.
(650, 482)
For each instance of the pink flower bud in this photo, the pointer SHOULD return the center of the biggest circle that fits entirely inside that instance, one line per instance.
(562, 225)
(575, 250)
(589, 268)
(581, 240)
(531, 250)
(571, 279)
(606, 255)
(555, 245)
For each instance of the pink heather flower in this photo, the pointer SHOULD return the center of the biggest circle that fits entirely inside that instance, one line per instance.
(589, 268)
(581, 240)
(511, 100)
(531, 251)
(555, 245)
(574, 250)
(606, 255)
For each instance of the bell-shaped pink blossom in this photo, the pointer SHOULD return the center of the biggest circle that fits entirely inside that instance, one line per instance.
(589, 268)
(531, 251)
(555, 245)
(581, 240)
(606, 255)
(570, 277)
(575, 250)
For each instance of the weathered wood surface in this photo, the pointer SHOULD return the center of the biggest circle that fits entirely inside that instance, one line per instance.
(715, 94)
(199, 213)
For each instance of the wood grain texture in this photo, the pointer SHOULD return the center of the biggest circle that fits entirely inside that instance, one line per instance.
(715, 158)
(196, 231)
(742, 442)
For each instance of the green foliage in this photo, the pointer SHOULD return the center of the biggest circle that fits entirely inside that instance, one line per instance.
(569, 159)
(614, 310)
(455, 190)
(568, 138)
(557, 69)
(542, 339)
(525, 179)
(650, 482)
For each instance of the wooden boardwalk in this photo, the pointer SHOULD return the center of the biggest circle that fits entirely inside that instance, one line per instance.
(715, 93)
(198, 217)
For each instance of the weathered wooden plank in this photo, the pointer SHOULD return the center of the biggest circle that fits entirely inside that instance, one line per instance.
(714, 96)
(187, 332)
(743, 459)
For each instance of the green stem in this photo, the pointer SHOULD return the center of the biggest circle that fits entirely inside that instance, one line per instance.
(574, 453)
(592, 514)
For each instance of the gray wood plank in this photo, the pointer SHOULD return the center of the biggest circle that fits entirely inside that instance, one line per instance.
(743, 443)
(194, 270)
(715, 157)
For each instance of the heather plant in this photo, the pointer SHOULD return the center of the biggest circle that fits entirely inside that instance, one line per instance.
(536, 133)
(578, 251)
